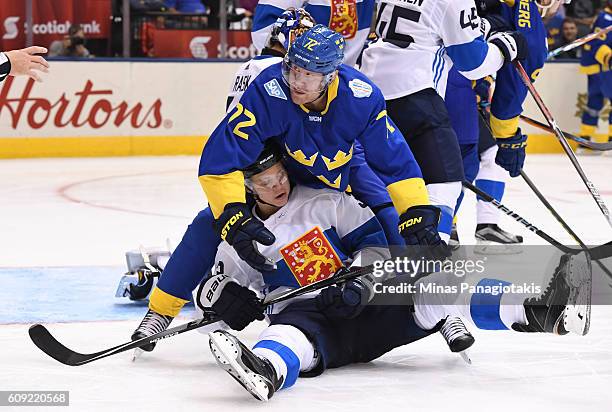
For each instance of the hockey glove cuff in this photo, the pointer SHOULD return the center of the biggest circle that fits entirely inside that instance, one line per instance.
(512, 45)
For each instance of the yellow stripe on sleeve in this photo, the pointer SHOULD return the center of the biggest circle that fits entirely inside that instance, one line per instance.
(504, 128)
(223, 189)
(407, 193)
(165, 304)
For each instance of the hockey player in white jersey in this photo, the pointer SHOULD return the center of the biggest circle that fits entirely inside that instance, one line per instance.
(418, 41)
(318, 232)
(350, 18)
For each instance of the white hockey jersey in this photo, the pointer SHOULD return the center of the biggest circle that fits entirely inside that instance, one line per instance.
(317, 232)
(245, 75)
(418, 40)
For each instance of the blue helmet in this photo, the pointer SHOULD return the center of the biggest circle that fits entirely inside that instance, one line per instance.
(289, 26)
(319, 50)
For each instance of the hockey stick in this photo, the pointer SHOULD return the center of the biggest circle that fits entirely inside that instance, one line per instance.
(488, 198)
(597, 253)
(43, 339)
(566, 147)
(584, 142)
(578, 42)
(568, 229)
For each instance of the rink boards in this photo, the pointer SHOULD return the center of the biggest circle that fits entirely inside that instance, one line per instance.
(121, 108)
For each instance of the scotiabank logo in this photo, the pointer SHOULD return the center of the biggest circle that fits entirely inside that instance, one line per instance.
(89, 107)
(11, 30)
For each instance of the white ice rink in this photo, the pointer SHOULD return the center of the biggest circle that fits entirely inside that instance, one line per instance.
(65, 225)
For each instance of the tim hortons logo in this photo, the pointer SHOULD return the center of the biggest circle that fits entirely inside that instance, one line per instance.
(88, 107)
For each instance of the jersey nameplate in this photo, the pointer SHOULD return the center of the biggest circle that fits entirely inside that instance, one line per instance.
(360, 88)
(274, 89)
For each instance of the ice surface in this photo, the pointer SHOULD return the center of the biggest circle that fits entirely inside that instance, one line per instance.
(66, 224)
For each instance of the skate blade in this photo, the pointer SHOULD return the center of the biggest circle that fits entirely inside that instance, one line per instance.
(577, 313)
(137, 354)
(466, 357)
(227, 353)
(487, 247)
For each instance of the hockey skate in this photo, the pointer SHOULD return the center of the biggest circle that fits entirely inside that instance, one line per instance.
(458, 338)
(493, 240)
(565, 305)
(151, 324)
(255, 374)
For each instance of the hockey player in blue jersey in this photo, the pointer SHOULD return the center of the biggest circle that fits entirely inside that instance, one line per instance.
(332, 106)
(524, 16)
(350, 18)
(319, 231)
(318, 120)
(595, 63)
(418, 40)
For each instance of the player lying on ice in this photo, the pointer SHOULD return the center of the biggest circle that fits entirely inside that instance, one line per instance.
(321, 112)
(317, 233)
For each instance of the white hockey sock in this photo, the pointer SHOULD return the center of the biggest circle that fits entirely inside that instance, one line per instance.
(512, 310)
(288, 349)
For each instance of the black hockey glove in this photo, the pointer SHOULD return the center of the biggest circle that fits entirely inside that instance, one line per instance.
(236, 305)
(492, 24)
(239, 228)
(511, 153)
(345, 302)
(419, 227)
(512, 45)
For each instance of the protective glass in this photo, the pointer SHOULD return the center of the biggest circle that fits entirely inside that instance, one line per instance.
(268, 182)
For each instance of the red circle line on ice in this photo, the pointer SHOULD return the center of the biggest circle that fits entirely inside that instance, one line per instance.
(63, 192)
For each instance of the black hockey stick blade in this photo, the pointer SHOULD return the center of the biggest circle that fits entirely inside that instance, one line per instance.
(603, 147)
(43, 339)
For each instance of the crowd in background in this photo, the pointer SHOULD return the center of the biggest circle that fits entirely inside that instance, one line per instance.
(571, 22)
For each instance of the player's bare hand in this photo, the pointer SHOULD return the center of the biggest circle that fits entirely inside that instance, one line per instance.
(25, 62)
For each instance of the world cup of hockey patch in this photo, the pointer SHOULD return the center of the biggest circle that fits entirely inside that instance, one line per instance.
(360, 88)
(343, 17)
(311, 257)
(274, 89)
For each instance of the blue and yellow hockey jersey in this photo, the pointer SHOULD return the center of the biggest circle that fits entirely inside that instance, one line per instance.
(596, 54)
(510, 92)
(319, 146)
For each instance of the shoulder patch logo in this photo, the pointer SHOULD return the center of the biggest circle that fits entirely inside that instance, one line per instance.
(274, 89)
(360, 88)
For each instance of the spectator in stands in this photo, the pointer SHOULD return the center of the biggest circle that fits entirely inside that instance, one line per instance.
(569, 33)
(583, 12)
(148, 5)
(235, 13)
(186, 6)
(73, 44)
